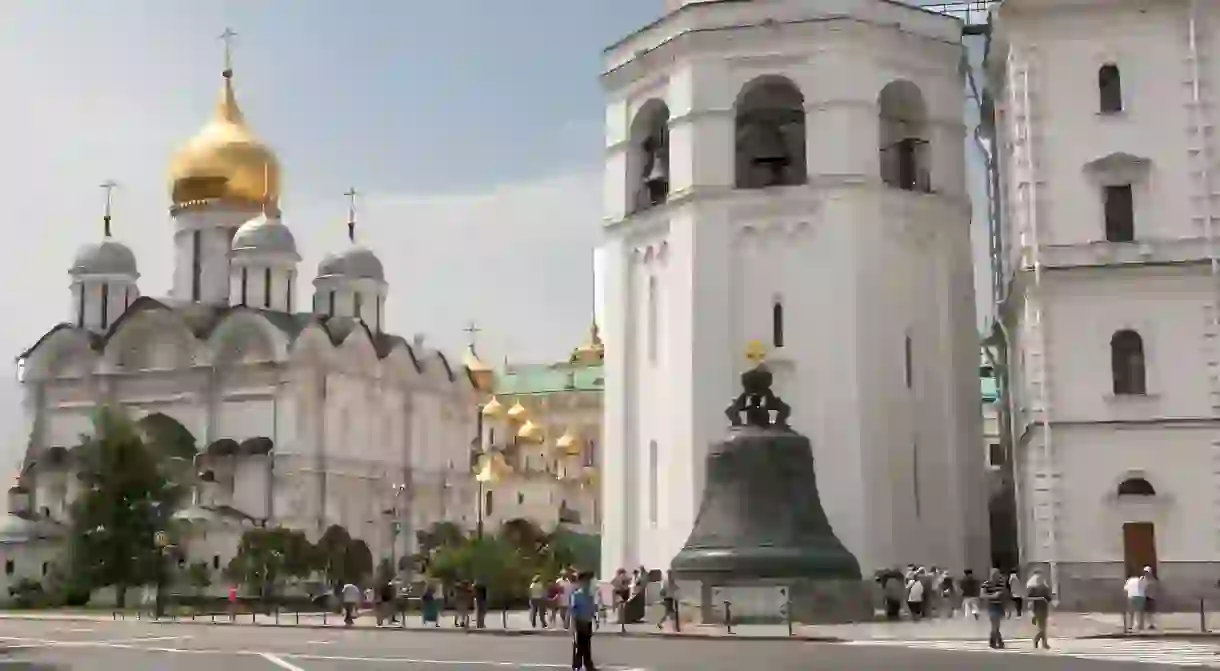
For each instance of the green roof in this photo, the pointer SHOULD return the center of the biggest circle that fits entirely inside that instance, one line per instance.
(549, 379)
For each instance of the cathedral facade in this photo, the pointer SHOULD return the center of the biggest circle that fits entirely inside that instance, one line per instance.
(792, 173)
(303, 418)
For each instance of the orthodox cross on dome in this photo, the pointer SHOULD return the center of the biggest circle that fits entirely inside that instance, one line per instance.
(351, 194)
(107, 186)
(227, 38)
(472, 331)
(756, 352)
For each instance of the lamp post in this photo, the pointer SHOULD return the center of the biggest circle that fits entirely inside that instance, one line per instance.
(161, 540)
(394, 514)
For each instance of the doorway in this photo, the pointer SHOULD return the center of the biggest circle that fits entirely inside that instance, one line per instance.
(1139, 547)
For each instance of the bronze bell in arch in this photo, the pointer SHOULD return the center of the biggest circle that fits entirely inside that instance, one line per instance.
(656, 177)
(771, 156)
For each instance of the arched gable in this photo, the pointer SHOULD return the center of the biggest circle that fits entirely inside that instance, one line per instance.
(245, 335)
(63, 352)
(313, 348)
(398, 364)
(151, 336)
(357, 352)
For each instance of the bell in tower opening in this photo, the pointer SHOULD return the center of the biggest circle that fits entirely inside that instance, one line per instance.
(761, 541)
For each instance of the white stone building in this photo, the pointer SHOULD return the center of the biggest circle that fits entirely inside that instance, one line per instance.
(1106, 129)
(304, 419)
(792, 172)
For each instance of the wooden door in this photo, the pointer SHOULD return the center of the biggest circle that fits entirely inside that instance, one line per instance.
(1139, 547)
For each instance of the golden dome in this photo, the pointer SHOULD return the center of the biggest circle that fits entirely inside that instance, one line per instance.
(593, 350)
(493, 408)
(492, 467)
(224, 161)
(565, 441)
(480, 373)
(530, 431)
(517, 411)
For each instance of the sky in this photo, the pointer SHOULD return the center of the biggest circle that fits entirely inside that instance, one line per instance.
(472, 128)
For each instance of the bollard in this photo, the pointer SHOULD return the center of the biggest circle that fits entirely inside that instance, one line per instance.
(622, 618)
(677, 617)
(213, 618)
(323, 617)
(788, 613)
(728, 617)
(1202, 617)
(277, 615)
(504, 617)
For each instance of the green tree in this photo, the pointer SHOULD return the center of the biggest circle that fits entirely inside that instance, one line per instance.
(126, 499)
(332, 553)
(265, 556)
(492, 560)
(358, 562)
(438, 536)
(199, 577)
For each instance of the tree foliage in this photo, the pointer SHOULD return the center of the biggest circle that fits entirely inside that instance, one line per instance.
(126, 499)
(265, 556)
(341, 558)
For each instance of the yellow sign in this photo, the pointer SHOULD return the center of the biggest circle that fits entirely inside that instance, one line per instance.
(756, 352)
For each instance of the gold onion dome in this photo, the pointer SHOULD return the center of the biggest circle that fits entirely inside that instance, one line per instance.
(567, 442)
(517, 411)
(492, 467)
(225, 161)
(530, 431)
(480, 372)
(593, 350)
(493, 408)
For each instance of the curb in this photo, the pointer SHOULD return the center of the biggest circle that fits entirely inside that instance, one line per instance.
(1165, 636)
(508, 633)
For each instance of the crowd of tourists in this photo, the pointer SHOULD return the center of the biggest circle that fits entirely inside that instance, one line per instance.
(923, 593)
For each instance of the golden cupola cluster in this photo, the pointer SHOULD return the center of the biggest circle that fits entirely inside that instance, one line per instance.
(225, 161)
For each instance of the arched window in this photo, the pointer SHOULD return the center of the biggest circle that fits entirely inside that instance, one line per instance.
(1136, 487)
(770, 134)
(245, 283)
(267, 288)
(1110, 89)
(648, 157)
(777, 324)
(105, 305)
(487, 503)
(357, 304)
(1127, 365)
(904, 146)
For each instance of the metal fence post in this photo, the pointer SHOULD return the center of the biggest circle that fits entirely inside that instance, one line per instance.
(1202, 616)
(728, 616)
(788, 610)
(504, 616)
(677, 617)
(622, 618)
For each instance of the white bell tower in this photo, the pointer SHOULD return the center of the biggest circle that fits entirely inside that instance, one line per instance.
(792, 173)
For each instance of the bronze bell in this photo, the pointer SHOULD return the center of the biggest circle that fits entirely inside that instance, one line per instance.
(760, 518)
(656, 180)
(771, 155)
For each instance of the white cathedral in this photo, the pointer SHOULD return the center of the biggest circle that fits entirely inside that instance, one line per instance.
(301, 418)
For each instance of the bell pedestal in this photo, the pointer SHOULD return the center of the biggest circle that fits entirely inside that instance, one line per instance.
(761, 540)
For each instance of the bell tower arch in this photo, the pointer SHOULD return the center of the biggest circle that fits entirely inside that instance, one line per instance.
(742, 165)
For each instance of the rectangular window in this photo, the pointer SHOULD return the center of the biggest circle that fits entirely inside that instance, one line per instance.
(1120, 213)
(267, 288)
(356, 302)
(908, 374)
(105, 304)
(288, 294)
(995, 455)
(380, 304)
(777, 324)
(196, 265)
(331, 304)
(80, 307)
(915, 476)
(245, 282)
(653, 482)
(10, 567)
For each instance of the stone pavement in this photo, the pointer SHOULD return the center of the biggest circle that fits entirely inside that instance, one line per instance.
(1063, 625)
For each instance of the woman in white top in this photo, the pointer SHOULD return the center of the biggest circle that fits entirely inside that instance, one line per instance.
(915, 597)
(1016, 591)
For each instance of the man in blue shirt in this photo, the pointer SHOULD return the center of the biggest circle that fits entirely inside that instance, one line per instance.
(582, 608)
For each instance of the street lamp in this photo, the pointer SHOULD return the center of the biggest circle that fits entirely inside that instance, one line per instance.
(395, 525)
(161, 540)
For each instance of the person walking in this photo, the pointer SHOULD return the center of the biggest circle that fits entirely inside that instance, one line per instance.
(581, 610)
(915, 597)
(995, 592)
(669, 596)
(351, 602)
(1038, 596)
(430, 610)
(1133, 616)
(385, 603)
(1016, 589)
(538, 602)
(1151, 589)
(480, 604)
(970, 594)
